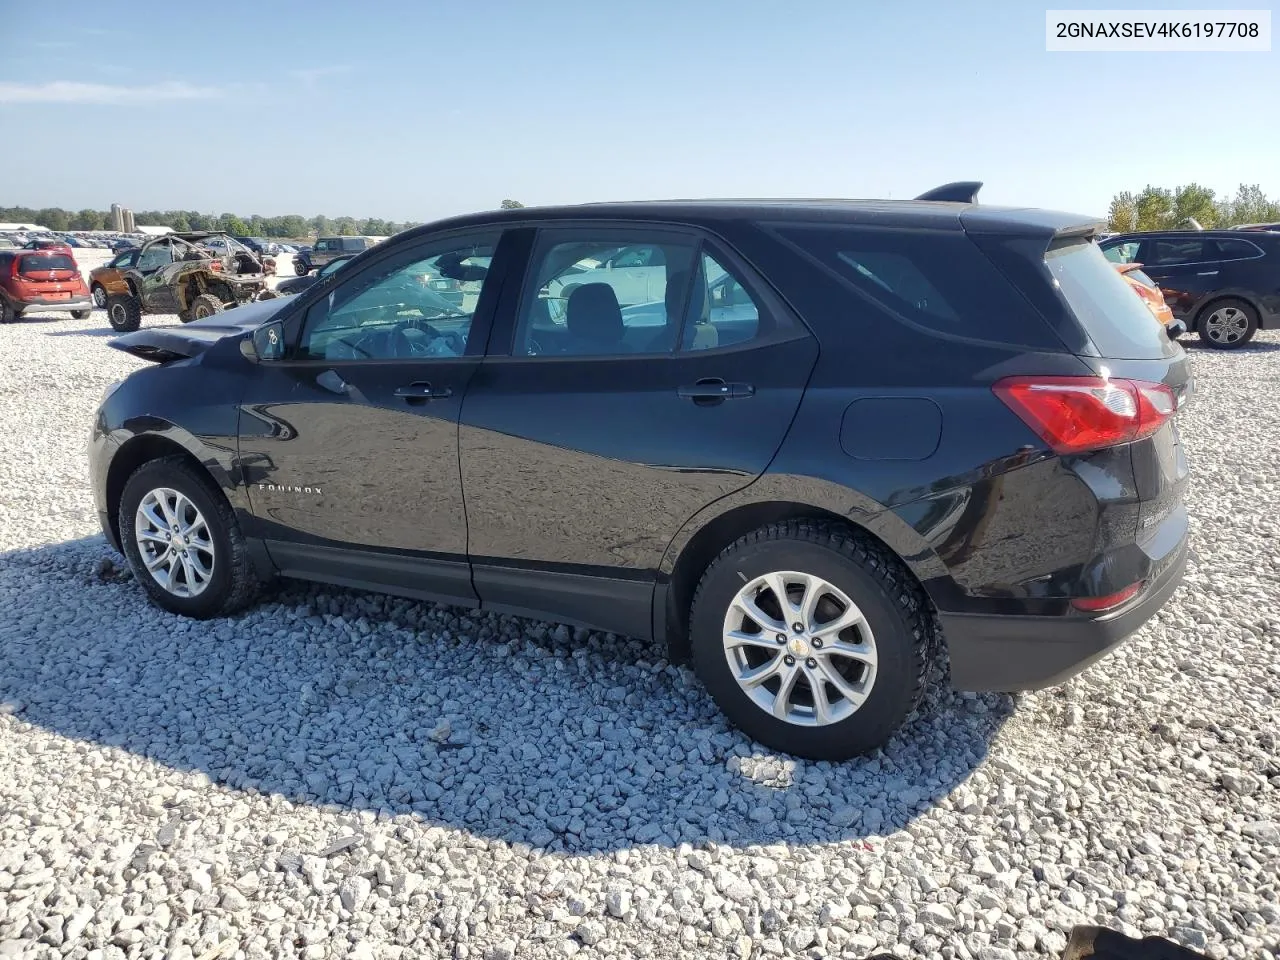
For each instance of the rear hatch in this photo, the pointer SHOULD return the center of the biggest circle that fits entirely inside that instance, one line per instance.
(1141, 377)
(49, 276)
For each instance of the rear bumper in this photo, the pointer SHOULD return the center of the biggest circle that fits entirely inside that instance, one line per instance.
(1008, 653)
(25, 307)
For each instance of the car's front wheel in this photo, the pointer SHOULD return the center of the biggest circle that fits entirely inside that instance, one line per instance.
(811, 638)
(301, 269)
(182, 541)
(99, 296)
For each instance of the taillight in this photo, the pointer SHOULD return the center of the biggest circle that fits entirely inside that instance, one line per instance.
(1075, 414)
(1098, 604)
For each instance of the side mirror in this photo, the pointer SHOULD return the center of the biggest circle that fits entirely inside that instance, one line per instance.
(265, 343)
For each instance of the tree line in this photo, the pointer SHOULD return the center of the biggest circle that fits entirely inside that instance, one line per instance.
(291, 225)
(1159, 208)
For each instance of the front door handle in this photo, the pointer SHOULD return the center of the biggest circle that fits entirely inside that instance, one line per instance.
(421, 390)
(713, 390)
(1208, 273)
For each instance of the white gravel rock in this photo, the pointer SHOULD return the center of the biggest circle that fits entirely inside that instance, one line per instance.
(374, 777)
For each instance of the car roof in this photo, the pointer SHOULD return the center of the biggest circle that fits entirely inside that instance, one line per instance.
(905, 213)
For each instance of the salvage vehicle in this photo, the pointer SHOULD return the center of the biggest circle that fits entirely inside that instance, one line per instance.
(41, 281)
(194, 275)
(928, 433)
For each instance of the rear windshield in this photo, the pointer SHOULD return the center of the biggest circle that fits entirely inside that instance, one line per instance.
(936, 282)
(1111, 312)
(47, 261)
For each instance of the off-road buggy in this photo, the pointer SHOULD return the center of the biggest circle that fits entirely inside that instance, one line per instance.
(194, 275)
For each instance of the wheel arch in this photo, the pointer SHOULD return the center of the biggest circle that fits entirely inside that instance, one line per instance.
(151, 445)
(697, 546)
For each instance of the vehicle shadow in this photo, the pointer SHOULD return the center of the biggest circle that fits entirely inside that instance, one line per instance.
(505, 728)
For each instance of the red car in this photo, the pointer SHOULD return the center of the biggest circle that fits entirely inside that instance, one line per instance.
(41, 281)
(51, 244)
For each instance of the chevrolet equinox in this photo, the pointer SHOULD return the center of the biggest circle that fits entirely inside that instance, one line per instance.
(815, 447)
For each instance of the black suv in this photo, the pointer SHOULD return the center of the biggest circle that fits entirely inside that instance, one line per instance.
(1224, 284)
(837, 436)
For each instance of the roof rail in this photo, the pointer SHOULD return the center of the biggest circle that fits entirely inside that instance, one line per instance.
(962, 191)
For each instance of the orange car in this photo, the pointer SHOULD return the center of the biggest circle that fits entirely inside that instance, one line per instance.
(110, 277)
(1147, 289)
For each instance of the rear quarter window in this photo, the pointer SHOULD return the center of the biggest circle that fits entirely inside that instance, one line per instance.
(1111, 312)
(936, 282)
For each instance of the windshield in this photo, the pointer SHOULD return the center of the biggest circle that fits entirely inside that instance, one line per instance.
(1112, 313)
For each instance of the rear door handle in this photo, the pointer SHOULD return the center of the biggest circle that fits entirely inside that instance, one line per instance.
(1208, 273)
(713, 390)
(421, 390)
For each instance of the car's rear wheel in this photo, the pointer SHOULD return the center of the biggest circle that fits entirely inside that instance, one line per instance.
(205, 305)
(300, 269)
(812, 638)
(182, 541)
(124, 313)
(7, 313)
(1227, 324)
(80, 314)
(99, 296)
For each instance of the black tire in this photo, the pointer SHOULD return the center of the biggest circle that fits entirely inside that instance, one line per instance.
(205, 305)
(7, 313)
(1217, 335)
(301, 269)
(80, 314)
(233, 584)
(124, 313)
(896, 609)
(99, 296)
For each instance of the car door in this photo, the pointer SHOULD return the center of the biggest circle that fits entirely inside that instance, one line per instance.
(590, 435)
(349, 446)
(1185, 268)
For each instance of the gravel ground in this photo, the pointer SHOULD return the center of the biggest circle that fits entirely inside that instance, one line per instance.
(335, 774)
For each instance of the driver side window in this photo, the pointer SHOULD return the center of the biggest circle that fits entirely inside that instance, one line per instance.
(417, 305)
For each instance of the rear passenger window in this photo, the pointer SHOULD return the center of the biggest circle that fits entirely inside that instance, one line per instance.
(604, 295)
(1237, 250)
(934, 281)
(1172, 252)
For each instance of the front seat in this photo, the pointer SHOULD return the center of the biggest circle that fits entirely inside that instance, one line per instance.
(594, 319)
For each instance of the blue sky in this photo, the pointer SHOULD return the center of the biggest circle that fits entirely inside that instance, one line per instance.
(415, 110)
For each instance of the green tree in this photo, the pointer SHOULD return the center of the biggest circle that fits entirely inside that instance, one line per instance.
(1154, 207)
(1249, 205)
(1123, 215)
(346, 227)
(321, 226)
(234, 225)
(55, 218)
(181, 223)
(88, 220)
(1194, 202)
(511, 204)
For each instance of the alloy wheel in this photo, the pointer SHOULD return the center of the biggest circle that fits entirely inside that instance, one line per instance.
(174, 542)
(1227, 325)
(800, 649)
